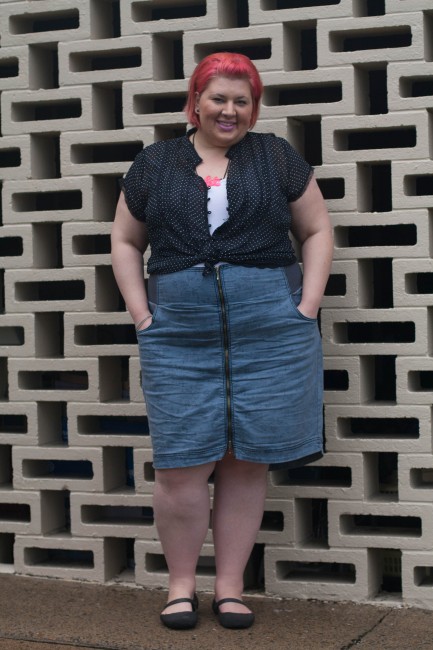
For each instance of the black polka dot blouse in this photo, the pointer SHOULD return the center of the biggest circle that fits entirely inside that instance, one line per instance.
(265, 174)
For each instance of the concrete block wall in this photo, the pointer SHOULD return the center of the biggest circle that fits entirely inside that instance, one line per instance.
(85, 84)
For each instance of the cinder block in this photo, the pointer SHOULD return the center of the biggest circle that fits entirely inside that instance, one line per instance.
(52, 200)
(316, 573)
(20, 512)
(150, 103)
(144, 472)
(111, 59)
(333, 476)
(151, 569)
(308, 92)
(109, 334)
(50, 290)
(101, 152)
(113, 515)
(15, 157)
(396, 6)
(338, 184)
(411, 184)
(342, 288)
(417, 581)
(86, 244)
(39, 111)
(343, 380)
(408, 234)
(54, 468)
(408, 85)
(16, 247)
(399, 38)
(27, 22)
(60, 557)
(415, 473)
(148, 16)
(398, 331)
(412, 285)
(384, 137)
(135, 390)
(14, 67)
(17, 335)
(414, 380)
(53, 380)
(108, 425)
(264, 11)
(201, 43)
(380, 525)
(18, 423)
(368, 427)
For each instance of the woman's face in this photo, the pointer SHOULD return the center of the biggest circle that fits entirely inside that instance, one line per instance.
(225, 108)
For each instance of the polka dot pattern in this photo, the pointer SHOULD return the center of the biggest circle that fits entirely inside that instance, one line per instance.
(265, 175)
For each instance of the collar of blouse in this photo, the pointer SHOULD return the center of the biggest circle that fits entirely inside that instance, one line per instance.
(192, 154)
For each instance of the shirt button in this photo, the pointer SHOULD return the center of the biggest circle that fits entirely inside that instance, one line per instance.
(209, 211)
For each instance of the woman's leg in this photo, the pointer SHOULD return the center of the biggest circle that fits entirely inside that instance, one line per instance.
(239, 498)
(181, 507)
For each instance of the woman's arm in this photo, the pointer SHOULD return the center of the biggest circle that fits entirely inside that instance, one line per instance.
(129, 240)
(312, 228)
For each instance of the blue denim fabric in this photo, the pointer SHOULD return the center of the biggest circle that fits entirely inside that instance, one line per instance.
(275, 368)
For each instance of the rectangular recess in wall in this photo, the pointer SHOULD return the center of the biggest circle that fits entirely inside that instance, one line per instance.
(418, 185)
(375, 332)
(420, 381)
(105, 153)
(55, 109)
(105, 335)
(105, 60)
(378, 428)
(160, 103)
(11, 246)
(311, 93)
(15, 512)
(70, 469)
(370, 39)
(50, 290)
(10, 157)
(336, 285)
(13, 424)
(360, 139)
(272, 520)
(7, 541)
(381, 525)
(153, 10)
(421, 86)
(332, 188)
(322, 572)
(52, 380)
(423, 576)
(369, 8)
(45, 21)
(258, 49)
(9, 67)
(360, 236)
(421, 478)
(47, 201)
(336, 380)
(91, 244)
(113, 425)
(58, 557)
(271, 5)
(317, 476)
(117, 515)
(12, 335)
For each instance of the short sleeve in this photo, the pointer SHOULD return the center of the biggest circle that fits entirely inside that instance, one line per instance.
(134, 187)
(296, 172)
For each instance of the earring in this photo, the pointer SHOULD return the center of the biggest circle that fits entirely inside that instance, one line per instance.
(197, 110)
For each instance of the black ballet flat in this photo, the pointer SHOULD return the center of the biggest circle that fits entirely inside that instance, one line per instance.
(181, 620)
(232, 620)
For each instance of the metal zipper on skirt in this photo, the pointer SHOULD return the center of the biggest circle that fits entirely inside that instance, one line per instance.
(226, 362)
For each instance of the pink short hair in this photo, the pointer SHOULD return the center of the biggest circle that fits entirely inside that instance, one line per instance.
(223, 64)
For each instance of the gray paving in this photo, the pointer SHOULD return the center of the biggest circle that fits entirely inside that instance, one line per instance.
(39, 614)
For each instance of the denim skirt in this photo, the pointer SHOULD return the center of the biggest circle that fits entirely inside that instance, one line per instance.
(229, 365)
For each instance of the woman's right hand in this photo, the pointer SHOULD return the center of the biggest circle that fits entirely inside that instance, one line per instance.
(144, 323)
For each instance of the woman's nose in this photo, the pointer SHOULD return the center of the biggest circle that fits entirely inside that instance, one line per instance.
(229, 108)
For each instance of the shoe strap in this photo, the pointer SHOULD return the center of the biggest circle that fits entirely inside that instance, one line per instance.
(192, 602)
(230, 600)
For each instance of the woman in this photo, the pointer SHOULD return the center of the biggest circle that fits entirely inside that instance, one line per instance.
(228, 338)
